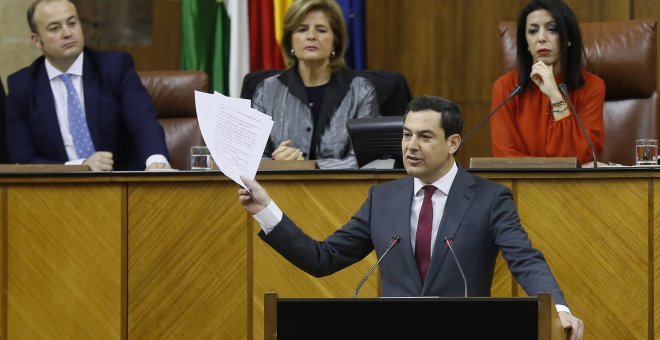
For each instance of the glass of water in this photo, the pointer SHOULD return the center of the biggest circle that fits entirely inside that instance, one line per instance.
(200, 158)
(646, 152)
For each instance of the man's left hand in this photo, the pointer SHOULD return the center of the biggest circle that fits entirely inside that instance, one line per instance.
(573, 325)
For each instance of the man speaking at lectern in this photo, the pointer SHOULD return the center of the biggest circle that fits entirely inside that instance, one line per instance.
(439, 207)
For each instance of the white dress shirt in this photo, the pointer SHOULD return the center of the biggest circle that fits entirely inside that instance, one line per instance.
(439, 200)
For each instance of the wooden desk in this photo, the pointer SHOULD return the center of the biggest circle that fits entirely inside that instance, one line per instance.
(173, 255)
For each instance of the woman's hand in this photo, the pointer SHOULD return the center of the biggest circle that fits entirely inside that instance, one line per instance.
(542, 75)
(287, 153)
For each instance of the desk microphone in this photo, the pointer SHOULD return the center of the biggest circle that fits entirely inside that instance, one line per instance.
(395, 240)
(448, 241)
(564, 91)
(516, 90)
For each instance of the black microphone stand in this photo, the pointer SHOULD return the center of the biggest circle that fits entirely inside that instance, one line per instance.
(395, 240)
(564, 91)
(514, 92)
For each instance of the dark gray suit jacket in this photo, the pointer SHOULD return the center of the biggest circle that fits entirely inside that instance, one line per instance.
(480, 216)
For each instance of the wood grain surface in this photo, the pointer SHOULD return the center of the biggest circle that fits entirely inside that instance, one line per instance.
(172, 256)
(188, 267)
(63, 262)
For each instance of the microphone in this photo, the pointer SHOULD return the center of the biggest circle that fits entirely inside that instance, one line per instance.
(448, 242)
(564, 91)
(516, 90)
(395, 240)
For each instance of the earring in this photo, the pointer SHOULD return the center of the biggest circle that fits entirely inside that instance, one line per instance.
(569, 44)
(332, 54)
(292, 52)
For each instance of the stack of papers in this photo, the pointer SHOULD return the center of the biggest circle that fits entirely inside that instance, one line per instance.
(235, 133)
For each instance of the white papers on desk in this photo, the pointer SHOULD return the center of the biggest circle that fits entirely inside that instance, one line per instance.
(235, 133)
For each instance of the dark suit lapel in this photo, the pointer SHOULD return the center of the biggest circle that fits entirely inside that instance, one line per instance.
(458, 202)
(92, 89)
(402, 202)
(337, 88)
(294, 84)
(334, 94)
(44, 105)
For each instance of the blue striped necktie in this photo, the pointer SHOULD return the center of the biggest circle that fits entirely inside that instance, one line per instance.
(82, 141)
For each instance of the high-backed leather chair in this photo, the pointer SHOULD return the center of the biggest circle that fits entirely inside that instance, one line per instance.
(392, 88)
(172, 93)
(623, 54)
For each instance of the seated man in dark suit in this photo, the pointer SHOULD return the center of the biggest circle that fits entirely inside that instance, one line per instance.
(439, 203)
(74, 105)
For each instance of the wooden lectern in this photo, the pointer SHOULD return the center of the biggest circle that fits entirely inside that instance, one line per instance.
(412, 318)
(523, 163)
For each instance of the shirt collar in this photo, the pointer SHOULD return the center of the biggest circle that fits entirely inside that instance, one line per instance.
(443, 183)
(76, 68)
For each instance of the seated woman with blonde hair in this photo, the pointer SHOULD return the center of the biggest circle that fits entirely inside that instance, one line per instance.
(314, 98)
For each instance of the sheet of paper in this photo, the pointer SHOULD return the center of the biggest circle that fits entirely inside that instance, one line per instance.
(235, 133)
(239, 103)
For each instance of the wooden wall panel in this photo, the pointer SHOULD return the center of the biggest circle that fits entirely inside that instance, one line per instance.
(598, 10)
(446, 48)
(187, 262)
(478, 145)
(164, 51)
(600, 256)
(64, 261)
(324, 206)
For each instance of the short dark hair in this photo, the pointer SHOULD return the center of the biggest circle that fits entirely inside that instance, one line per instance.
(30, 16)
(569, 32)
(451, 119)
(295, 15)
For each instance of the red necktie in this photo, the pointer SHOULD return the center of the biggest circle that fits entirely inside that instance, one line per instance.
(423, 237)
